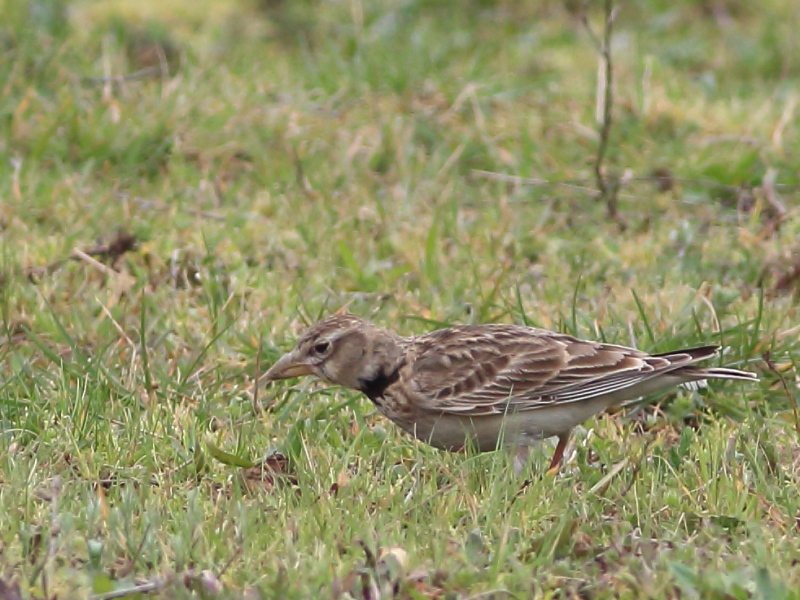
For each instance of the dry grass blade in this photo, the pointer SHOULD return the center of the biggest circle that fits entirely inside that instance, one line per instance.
(601, 486)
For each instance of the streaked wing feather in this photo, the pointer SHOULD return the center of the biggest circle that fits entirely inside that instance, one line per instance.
(490, 370)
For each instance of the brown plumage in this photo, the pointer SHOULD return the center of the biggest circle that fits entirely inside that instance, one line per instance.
(487, 386)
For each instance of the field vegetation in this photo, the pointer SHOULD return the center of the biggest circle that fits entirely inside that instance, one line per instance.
(185, 185)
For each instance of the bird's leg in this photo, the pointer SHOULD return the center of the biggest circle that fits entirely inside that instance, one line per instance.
(559, 453)
(520, 459)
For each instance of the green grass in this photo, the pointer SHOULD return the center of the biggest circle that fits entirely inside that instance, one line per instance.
(299, 156)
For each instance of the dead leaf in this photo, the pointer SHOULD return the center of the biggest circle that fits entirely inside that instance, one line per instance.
(663, 178)
(342, 481)
(269, 473)
(122, 243)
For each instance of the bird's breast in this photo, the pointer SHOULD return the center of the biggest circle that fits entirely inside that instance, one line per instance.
(375, 387)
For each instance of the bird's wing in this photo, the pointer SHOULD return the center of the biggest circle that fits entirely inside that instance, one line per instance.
(479, 370)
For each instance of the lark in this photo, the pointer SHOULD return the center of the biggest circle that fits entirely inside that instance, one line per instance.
(488, 386)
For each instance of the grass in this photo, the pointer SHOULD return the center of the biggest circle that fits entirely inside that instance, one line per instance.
(270, 162)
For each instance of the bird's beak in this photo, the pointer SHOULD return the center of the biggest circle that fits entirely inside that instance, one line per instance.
(287, 366)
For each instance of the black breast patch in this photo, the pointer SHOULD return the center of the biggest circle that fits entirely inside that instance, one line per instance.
(375, 388)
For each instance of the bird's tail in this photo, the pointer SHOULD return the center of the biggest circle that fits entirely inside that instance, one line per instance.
(698, 373)
(717, 373)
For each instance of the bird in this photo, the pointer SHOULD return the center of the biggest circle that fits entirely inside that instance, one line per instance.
(488, 386)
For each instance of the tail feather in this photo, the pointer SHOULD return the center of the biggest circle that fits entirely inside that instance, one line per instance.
(695, 354)
(698, 373)
(717, 373)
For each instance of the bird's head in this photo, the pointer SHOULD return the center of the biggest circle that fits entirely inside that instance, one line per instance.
(342, 349)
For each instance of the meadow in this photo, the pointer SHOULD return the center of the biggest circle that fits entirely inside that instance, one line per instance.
(186, 185)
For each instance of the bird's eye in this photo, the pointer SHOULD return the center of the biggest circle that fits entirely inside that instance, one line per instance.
(322, 347)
